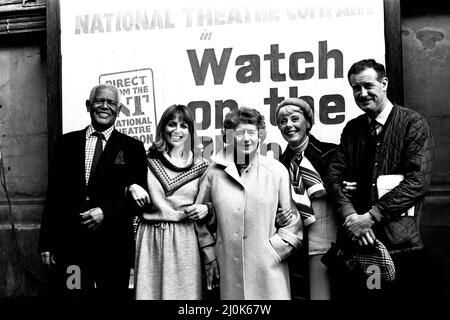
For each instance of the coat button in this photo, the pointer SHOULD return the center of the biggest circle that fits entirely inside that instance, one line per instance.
(244, 237)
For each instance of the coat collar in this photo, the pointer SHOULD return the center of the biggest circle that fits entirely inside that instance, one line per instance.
(225, 158)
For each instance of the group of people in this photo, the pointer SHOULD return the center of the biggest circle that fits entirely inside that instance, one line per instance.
(232, 222)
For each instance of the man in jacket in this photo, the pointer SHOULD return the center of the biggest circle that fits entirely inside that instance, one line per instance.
(86, 236)
(386, 140)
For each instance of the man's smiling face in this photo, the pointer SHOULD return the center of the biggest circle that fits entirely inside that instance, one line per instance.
(104, 108)
(369, 91)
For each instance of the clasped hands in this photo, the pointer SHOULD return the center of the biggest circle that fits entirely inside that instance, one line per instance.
(359, 228)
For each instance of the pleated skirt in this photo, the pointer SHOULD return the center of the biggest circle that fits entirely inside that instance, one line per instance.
(167, 265)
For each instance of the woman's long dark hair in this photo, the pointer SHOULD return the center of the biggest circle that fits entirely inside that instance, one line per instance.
(171, 113)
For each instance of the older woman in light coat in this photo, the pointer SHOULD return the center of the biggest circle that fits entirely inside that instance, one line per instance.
(247, 189)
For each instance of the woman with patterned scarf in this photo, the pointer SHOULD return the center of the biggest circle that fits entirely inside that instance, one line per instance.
(307, 158)
(167, 262)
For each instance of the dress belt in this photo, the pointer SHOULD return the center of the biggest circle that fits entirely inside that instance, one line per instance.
(162, 225)
(165, 224)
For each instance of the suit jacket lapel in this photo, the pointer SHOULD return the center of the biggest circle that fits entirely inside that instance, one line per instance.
(81, 155)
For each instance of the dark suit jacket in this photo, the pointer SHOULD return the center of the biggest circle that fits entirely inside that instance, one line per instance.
(123, 162)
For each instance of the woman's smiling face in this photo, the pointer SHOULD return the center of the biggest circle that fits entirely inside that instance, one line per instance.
(293, 126)
(176, 132)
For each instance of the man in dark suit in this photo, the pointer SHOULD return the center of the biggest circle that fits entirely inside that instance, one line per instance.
(86, 234)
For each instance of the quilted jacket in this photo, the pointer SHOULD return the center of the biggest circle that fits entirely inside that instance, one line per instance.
(405, 146)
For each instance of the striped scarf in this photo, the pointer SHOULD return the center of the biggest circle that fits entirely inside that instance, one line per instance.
(306, 185)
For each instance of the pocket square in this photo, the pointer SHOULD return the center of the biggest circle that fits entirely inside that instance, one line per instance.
(119, 158)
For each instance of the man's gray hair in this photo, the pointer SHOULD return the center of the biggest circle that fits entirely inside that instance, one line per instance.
(104, 85)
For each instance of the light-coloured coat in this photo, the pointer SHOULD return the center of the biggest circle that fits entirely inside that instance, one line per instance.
(249, 248)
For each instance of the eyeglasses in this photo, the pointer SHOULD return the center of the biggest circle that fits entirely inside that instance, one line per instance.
(250, 133)
(101, 102)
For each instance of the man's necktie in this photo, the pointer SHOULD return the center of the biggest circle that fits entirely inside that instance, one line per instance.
(98, 151)
(374, 125)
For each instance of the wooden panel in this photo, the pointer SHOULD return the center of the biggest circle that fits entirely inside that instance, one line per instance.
(7, 6)
(23, 132)
(20, 20)
(54, 94)
(9, 2)
(426, 56)
(427, 76)
(23, 116)
(393, 43)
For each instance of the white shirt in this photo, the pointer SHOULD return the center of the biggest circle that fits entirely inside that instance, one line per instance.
(382, 117)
